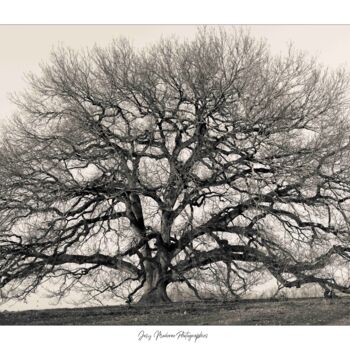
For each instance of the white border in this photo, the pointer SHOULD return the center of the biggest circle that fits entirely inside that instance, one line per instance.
(174, 12)
(113, 338)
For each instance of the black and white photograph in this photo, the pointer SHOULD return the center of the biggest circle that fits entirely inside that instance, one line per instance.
(174, 175)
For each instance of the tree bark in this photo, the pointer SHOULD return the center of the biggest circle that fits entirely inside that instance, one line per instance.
(155, 294)
(154, 290)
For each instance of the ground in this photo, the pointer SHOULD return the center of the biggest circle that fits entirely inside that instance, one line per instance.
(311, 311)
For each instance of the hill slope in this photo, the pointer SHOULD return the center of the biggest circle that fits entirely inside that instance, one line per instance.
(312, 311)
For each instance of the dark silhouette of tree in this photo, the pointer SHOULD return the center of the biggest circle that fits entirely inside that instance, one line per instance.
(207, 163)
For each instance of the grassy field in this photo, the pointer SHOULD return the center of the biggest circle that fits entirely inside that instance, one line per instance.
(311, 311)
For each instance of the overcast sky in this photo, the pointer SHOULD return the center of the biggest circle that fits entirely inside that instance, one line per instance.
(23, 47)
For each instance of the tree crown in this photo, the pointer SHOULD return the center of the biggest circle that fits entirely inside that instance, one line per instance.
(206, 162)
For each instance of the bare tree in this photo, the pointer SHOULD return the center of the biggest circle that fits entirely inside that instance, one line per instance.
(197, 161)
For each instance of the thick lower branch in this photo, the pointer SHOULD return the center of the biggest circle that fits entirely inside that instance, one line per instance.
(41, 260)
(248, 254)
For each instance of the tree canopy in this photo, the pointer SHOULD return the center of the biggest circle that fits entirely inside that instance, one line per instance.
(208, 163)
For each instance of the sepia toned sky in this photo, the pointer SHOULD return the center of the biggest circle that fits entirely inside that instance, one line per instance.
(23, 47)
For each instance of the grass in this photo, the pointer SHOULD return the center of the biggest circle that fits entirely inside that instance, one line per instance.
(306, 311)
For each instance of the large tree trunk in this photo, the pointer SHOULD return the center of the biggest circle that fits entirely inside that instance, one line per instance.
(155, 294)
(154, 289)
